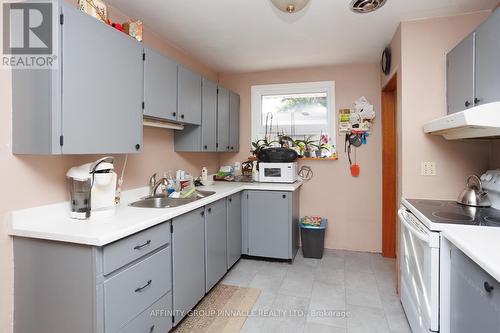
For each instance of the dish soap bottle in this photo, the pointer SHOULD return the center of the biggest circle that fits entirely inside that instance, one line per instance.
(204, 173)
(255, 173)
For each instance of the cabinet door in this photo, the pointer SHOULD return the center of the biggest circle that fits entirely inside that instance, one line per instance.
(209, 115)
(473, 308)
(102, 90)
(188, 262)
(215, 242)
(269, 224)
(233, 229)
(160, 86)
(460, 76)
(223, 119)
(487, 55)
(234, 121)
(189, 96)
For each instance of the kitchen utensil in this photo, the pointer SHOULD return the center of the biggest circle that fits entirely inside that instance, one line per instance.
(473, 194)
(355, 140)
(355, 169)
(277, 155)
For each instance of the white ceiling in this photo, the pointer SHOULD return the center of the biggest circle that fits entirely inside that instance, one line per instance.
(251, 35)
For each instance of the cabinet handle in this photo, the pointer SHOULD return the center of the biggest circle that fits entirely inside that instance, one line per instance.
(182, 116)
(488, 287)
(151, 329)
(477, 101)
(227, 147)
(210, 210)
(137, 290)
(137, 146)
(230, 199)
(232, 148)
(174, 114)
(139, 247)
(467, 104)
(205, 146)
(202, 213)
(284, 196)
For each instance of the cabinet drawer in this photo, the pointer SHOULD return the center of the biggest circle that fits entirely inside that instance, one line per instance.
(130, 292)
(124, 251)
(156, 319)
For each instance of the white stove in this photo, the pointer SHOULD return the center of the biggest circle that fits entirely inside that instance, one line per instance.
(421, 253)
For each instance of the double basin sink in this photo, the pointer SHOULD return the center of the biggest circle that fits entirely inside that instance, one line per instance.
(162, 201)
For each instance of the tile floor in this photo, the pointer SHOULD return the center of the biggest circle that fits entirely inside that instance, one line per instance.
(359, 285)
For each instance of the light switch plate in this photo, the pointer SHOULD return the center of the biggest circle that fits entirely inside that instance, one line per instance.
(428, 168)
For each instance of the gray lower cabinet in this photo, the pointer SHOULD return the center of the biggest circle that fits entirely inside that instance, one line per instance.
(188, 262)
(233, 229)
(188, 96)
(271, 224)
(234, 122)
(475, 297)
(215, 242)
(460, 76)
(223, 119)
(63, 287)
(77, 108)
(486, 61)
(160, 86)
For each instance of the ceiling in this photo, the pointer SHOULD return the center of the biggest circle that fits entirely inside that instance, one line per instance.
(252, 35)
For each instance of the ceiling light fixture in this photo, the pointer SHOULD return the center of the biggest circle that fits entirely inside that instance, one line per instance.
(290, 6)
(366, 6)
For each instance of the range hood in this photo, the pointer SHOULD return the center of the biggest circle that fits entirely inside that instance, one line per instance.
(482, 121)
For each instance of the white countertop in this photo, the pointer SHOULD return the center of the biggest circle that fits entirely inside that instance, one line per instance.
(481, 244)
(52, 222)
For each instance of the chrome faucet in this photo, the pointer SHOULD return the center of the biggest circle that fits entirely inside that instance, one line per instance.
(152, 182)
(155, 186)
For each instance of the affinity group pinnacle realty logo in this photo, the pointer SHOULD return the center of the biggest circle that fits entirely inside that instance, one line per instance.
(28, 39)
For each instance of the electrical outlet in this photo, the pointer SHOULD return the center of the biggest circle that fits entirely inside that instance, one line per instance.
(428, 168)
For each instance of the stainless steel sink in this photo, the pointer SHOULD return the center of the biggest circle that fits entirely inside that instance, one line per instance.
(161, 201)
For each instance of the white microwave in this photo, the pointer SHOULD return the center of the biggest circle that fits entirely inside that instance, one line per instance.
(278, 172)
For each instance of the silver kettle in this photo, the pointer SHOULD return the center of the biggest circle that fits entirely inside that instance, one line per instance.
(473, 194)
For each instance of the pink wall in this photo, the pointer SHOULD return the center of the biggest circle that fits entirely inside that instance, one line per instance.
(29, 181)
(352, 205)
(423, 97)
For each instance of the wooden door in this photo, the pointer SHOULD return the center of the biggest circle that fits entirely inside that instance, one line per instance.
(389, 169)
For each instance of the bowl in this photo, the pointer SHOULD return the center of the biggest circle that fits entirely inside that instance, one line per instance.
(208, 182)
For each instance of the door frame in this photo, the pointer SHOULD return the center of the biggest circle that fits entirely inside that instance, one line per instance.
(389, 168)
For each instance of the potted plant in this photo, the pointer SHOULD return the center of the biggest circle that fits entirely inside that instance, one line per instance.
(260, 144)
(306, 146)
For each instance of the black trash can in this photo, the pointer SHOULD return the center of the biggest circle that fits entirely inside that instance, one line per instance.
(313, 238)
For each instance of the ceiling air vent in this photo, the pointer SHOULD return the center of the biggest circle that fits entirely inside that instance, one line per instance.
(366, 6)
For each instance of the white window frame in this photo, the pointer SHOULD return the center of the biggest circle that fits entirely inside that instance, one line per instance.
(293, 88)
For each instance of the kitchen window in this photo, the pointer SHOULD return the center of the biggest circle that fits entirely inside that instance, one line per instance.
(296, 109)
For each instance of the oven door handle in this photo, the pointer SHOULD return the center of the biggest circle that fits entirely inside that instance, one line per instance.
(417, 233)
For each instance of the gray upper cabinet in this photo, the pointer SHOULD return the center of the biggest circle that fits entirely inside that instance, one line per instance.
(271, 224)
(92, 103)
(209, 116)
(460, 76)
(233, 229)
(188, 261)
(487, 65)
(223, 119)
(473, 73)
(189, 96)
(215, 242)
(234, 122)
(160, 86)
(475, 297)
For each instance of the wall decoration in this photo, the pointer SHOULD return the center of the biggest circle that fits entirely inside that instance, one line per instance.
(94, 8)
